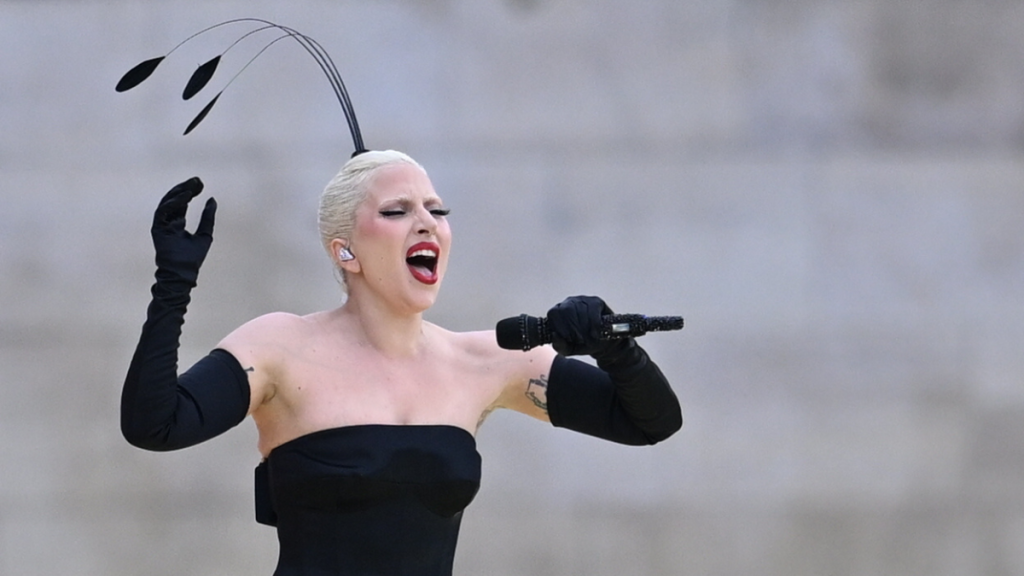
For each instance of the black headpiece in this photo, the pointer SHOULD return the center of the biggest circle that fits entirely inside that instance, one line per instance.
(202, 75)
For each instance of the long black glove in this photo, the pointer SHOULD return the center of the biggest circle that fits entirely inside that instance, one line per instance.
(159, 410)
(626, 399)
(179, 254)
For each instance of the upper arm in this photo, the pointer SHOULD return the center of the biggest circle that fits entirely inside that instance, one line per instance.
(256, 346)
(525, 388)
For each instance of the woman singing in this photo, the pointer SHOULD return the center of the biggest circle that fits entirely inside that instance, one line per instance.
(366, 413)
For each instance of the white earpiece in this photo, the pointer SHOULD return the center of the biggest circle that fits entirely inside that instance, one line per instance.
(345, 255)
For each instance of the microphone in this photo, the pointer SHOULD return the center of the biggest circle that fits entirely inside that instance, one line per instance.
(525, 332)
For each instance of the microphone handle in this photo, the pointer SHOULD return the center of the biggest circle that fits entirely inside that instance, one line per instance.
(614, 326)
(619, 326)
(524, 332)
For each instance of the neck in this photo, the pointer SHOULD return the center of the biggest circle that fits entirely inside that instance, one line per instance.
(389, 332)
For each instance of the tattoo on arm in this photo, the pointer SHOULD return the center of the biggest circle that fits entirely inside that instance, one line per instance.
(537, 392)
(483, 417)
(250, 369)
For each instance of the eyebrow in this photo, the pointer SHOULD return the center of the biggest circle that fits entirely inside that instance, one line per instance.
(406, 200)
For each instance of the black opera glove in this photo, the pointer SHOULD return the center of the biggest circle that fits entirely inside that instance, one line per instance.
(625, 399)
(179, 253)
(575, 326)
(159, 409)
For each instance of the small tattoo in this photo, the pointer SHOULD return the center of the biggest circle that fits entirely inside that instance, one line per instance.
(537, 392)
(483, 417)
(250, 369)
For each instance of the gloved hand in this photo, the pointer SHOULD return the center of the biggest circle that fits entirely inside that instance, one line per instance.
(575, 326)
(179, 253)
(625, 399)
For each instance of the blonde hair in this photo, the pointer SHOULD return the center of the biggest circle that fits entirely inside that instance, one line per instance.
(347, 190)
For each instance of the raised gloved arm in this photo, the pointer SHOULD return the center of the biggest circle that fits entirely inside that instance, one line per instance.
(625, 399)
(159, 409)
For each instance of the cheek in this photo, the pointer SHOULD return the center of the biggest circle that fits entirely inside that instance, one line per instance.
(445, 238)
(376, 234)
(372, 244)
(444, 232)
(372, 228)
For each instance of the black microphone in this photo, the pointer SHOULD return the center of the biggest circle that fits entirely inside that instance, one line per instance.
(525, 332)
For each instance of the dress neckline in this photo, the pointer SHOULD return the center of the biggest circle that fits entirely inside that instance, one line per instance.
(372, 426)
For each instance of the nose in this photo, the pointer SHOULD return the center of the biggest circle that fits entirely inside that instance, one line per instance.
(426, 224)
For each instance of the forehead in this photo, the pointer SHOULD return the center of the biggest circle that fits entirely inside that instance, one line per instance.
(400, 181)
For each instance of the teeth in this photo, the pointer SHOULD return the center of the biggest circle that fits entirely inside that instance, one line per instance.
(427, 253)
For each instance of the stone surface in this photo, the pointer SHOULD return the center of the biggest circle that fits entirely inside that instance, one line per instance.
(829, 192)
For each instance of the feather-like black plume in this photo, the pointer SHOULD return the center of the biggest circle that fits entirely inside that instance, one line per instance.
(200, 78)
(136, 75)
(202, 114)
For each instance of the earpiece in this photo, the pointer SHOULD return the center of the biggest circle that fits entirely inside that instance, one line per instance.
(345, 255)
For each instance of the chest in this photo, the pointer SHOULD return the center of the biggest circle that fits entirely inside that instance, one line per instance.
(358, 387)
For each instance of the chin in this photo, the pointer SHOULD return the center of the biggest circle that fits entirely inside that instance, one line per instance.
(425, 297)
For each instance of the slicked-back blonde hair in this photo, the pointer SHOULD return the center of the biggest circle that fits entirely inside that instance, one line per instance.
(347, 190)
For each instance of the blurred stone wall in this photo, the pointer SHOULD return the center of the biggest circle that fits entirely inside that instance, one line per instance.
(829, 191)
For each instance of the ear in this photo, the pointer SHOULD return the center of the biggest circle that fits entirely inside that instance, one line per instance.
(338, 247)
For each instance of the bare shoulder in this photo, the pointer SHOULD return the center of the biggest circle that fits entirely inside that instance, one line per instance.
(263, 346)
(275, 328)
(482, 346)
(267, 338)
(518, 373)
(480, 343)
(269, 324)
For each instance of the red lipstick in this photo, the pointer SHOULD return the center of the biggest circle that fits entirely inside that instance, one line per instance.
(422, 260)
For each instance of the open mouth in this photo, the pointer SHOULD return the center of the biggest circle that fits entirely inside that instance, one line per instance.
(422, 261)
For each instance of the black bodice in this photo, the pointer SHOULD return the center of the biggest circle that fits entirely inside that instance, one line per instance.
(369, 500)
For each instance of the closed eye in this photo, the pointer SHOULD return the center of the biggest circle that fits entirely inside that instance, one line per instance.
(397, 212)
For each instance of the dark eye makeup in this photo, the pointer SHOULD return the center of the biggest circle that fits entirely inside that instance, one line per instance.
(396, 212)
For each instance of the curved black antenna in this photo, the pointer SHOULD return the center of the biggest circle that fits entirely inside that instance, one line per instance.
(207, 70)
(204, 73)
(327, 65)
(143, 70)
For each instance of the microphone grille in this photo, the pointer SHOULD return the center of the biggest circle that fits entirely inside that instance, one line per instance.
(509, 333)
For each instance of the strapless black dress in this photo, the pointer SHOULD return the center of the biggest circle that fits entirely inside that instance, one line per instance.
(369, 500)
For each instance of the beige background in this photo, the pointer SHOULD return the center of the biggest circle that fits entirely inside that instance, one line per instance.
(829, 192)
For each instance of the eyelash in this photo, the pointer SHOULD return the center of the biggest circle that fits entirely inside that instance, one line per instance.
(396, 213)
